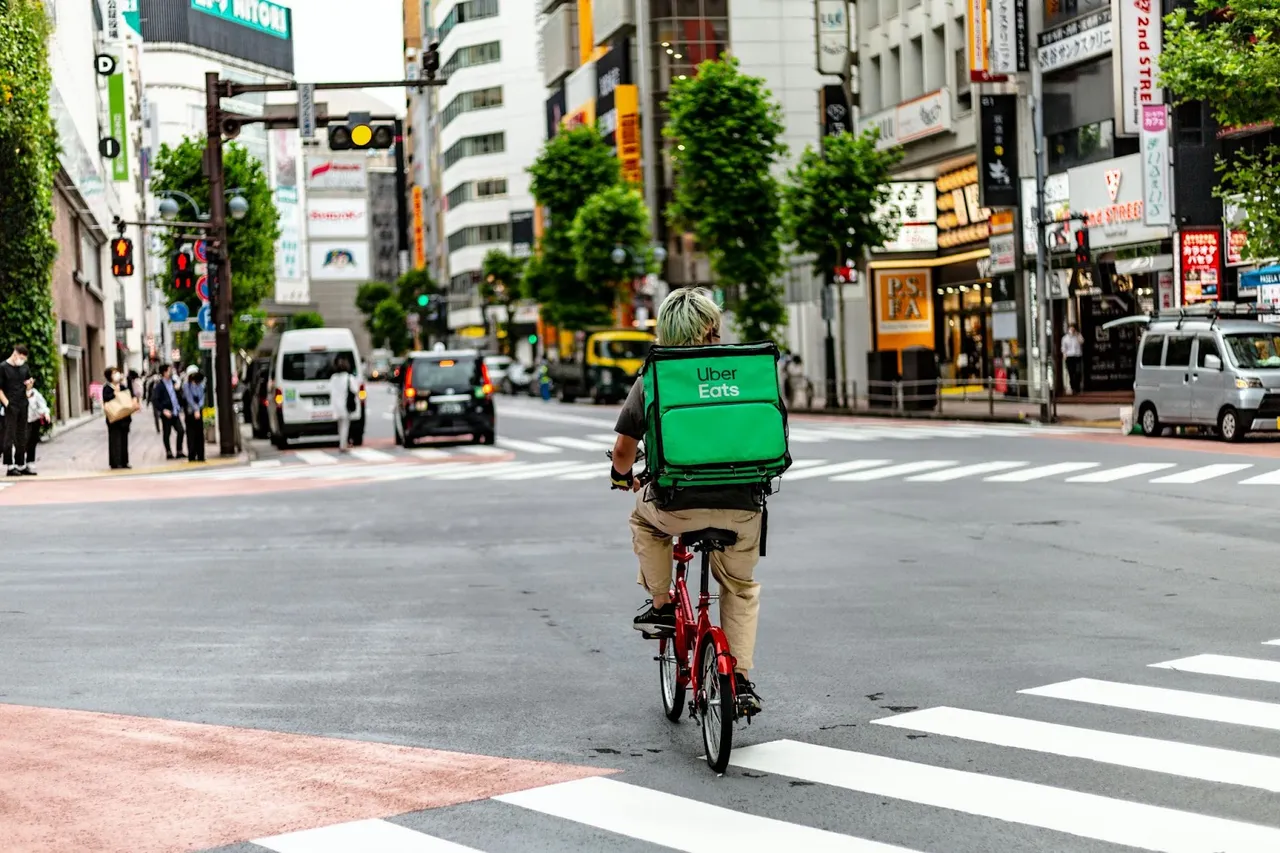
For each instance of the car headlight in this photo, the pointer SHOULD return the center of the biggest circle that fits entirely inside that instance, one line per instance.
(1248, 382)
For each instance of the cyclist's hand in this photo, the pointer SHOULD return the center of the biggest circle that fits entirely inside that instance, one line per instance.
(622, 482)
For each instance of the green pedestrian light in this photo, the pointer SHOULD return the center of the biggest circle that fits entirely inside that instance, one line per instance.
(533, 340)
(423, 300)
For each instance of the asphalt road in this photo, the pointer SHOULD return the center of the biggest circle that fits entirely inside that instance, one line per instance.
(490, 614)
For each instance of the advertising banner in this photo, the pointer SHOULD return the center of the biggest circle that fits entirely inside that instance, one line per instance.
(1109, 195)
(1008, 36)
(627, 102)
(1156, 200)
(836, 116)
(915, 205)
(119, 126)
(925, 116)
(522, 233)
(1076, 41)
(612, 71)
(977, 30)
(419, 231)
(291, 287)
(260, 15)
(998, 150)
(833, 36)
(1139, 38)
(337, 175)
(1235, 247)
(904, 309)
(337, 217)
(339, 260)
(1199, 262)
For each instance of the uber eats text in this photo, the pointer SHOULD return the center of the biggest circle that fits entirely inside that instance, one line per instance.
(709, 390)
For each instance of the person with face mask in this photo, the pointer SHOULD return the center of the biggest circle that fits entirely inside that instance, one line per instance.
(193, 402)
(15, 379)
(117, 431)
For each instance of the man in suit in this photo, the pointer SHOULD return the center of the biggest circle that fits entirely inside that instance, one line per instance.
(165, 400)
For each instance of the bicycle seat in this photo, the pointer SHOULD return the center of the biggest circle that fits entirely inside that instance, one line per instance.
(710, 537)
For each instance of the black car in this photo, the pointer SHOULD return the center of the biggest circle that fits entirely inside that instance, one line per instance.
(253, 395)
(444, 393)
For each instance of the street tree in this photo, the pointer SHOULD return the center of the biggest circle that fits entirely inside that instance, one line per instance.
(725, 126)
(1228, 55)
(831, 202)
(414, 284)
(389, 327)
(369, 296)
(252, 240)
(247, 334)
(28, 168)
(500, 286)
(306, 320)
(613, 222)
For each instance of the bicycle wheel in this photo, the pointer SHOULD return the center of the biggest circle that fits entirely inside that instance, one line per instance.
(717, 695)
(669, 679)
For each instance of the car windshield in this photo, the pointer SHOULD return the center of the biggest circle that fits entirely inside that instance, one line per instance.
(616, 348)
(1256, 350)
(312, 366)
(432, 373)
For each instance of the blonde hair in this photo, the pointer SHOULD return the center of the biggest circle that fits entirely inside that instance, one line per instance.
(685, 317)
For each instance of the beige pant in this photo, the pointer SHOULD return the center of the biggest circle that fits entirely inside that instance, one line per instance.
(651, 532)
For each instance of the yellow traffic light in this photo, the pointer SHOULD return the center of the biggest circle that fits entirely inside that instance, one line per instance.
(361, 135)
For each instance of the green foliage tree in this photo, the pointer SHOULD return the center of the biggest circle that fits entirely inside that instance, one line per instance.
(1228, 54)
(829, 206)
(501, 284)
(251, 240)
(612, 219)
(306, 320)
(573, 166)
(247, 334)
(725, 126)
(410, 286)
(370, 295)
(28, 167)
(389, 327)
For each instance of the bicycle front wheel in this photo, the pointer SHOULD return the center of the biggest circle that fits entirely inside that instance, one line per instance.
(717, 701)
(669, 666)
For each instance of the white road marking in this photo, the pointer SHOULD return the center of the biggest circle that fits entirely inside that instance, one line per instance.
(1028, 474)
(476, 471)
(315, 457)
(678, 822)
(526, 446)
(1161, 700)
(1271, 478)
(1073, 812)
(549, 415)
(834, 468)
(965, 471)
(429, 453)
(802, 436)
(577, 443)
(1206, 472)
(1187, 760)
(543, 469)
(801, 464)
(481, 450)
(1272, 643)
(1250, 669)
(589, 471)
(380, 835)
(893, 471)
(368, 454)
(1111, 475)
(266, 463)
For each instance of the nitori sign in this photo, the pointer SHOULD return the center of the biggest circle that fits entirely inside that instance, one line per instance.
(261, 15)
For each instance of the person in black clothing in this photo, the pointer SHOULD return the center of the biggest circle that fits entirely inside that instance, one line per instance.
(15, 379)
(118, 432)
(167, 400)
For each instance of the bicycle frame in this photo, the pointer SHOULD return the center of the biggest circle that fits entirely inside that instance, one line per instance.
(696, 631)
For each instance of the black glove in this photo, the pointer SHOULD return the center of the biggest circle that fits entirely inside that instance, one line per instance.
(621, 482)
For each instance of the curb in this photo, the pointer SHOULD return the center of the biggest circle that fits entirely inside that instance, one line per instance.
(219, 462)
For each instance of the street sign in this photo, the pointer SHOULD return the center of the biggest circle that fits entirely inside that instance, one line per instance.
(202, 288)
(307, 110)
(207, 340)
(109, 147)
(179, 312)
(104, 64)
(201, 252)
(205, 318)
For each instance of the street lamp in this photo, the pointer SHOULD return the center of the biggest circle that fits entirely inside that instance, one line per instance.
(238, 206)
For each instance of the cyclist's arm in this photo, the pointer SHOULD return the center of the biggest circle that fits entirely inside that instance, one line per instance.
(624, 453)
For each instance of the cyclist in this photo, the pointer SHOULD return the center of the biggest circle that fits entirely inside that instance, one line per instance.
(689, 317)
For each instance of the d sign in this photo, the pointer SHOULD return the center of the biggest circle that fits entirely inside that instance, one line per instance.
(104, 64)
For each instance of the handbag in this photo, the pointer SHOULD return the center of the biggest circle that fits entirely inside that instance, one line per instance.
(351, 401)
(119, 407)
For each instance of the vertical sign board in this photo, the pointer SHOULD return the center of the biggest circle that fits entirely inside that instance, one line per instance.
(998, 151)
(904, 309)
(835, 116)
(977, 24)
(1199, 259)
(119, 126)
(1008, 47)
(627, 103)
(307, 110)
(1138, 42)
(833, 36)
(522, 233)
(1156, 201)
(419, 232)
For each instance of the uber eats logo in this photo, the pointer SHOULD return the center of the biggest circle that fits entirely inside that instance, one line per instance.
(713, 383)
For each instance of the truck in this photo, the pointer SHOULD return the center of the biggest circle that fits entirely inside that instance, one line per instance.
(601, 364)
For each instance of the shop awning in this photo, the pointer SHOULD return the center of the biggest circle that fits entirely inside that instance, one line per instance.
(1264, 276)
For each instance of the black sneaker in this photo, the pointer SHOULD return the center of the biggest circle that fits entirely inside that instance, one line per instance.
(27, 471)
(748, 700)
(14, 472)
(656, 619)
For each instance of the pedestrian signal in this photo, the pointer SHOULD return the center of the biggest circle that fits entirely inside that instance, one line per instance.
(431, 60)
(360, 133)
(121, 257)
(1083, 258)
(184, 271)
(533, 340)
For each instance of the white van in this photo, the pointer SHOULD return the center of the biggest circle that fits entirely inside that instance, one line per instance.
(300, 371)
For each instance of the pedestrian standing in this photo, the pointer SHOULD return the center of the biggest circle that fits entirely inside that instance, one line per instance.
(342, 396)
(193, 399)
(15, 379)
(1073, 355)
(38, 417)
(118, 429)
(164, 400)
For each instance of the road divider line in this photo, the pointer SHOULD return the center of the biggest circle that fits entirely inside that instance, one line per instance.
(315, 457)
(1040, 472)
(834, 468)
(368, 454)
(1250, 669)
(678, 822)
(1189, 761)
(965, 471)
(1162, 700)
(526, 446)
(380, 835)
(1271, 478)
(1073, 812)
(578, 443)
(893, 471)
(1111, 475)
(1203, 473)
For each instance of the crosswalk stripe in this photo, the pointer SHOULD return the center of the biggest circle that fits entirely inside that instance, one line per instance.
(1111, 475)
(526, 446)
(1250, 669)
(481, 450)
(678, 822)
(588, 471)
(1189, 761)
(1028, 474)
(380, 835)
(1073, 812)
(266, 463)
(315, 457)
(543, 469)
(1272, 643)
(893, 471)
(368, 454)
(801, 464)
(1206, 472)
(834, 468)
(577, 443)
(473, 471)
(965, 471)
(606, 437)
(801, 436)
(852, 435)
(1162, 700)
(1271, 478)
(428, 454)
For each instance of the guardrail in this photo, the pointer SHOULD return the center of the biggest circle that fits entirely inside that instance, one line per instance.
(994, 398)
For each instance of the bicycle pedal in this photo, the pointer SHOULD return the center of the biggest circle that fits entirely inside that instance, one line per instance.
(660, 635)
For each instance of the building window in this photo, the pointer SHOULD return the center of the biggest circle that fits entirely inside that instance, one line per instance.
(478, 99)
(685, 33)
(474, 146)
(893, 77)
(479, 235)
(871, 100)
(467, 10)
(491, 188)
(913, 71)
(469, 57)
(463, 283)
(1078, 146)
(935, 61)
(964, 94)
(473, 190)
(1058, 11)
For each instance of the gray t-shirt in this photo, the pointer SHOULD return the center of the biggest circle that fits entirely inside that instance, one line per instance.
(631, 423)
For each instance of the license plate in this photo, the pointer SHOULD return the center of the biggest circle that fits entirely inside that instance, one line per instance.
(450, 408)
(320, 401)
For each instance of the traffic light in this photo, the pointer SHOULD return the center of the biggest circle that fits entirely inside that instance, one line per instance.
(533, 340)
(121, 257)
(1083, 259)
(423, 300)
(360, 133)
(431, 60)
(184, 271)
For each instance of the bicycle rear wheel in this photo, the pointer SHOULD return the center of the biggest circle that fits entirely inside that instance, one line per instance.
(716, 693)
(669, 666)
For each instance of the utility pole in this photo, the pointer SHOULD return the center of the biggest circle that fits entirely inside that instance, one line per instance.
(1044, 301)
(402, 203)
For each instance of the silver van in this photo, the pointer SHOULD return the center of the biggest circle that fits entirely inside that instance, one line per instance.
(1208, 369)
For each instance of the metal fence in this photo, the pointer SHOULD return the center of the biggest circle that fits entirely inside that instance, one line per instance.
(994, 398)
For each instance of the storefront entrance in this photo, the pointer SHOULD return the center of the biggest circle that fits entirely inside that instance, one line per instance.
(967, 334)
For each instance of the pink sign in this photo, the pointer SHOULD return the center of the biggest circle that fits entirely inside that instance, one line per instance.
(1155, 118)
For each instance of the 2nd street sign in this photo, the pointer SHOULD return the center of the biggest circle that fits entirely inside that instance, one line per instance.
(179, 312)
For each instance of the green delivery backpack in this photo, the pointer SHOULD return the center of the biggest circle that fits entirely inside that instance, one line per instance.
(714, 416)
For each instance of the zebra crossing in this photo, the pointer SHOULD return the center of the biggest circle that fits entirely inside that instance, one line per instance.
(1182, 823)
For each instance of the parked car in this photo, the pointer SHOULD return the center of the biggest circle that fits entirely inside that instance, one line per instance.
(445, 393)
(300, 405)
(518, 379)
(497, 365)
(379, 365)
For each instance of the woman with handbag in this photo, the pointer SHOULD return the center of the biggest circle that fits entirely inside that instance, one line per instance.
(37, 419)
(342, 395)
(119, 406)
